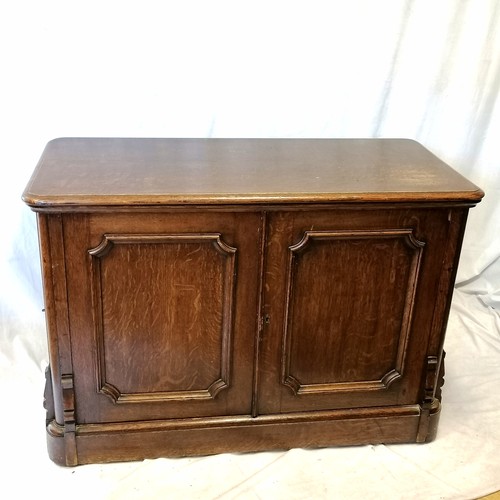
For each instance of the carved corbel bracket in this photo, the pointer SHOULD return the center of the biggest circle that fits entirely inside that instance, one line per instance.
(48, 397)
(68, 393)
(434, 377)
(431, 405)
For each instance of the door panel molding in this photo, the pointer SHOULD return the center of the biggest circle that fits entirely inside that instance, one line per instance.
(403, 251)
(206, 379)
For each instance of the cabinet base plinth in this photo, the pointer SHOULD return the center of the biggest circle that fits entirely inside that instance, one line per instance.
(117, 442)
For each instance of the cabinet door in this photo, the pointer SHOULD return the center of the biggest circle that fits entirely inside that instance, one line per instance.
(348, 307)
(162, 313)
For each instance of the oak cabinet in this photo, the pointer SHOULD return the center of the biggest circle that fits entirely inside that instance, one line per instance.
(235, 295)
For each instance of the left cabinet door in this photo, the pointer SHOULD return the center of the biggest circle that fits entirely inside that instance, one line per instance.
(162, 313)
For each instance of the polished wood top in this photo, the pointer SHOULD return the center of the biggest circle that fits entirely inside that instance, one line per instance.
(91, 172)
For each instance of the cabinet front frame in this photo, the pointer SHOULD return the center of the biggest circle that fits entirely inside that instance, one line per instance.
(56, 230)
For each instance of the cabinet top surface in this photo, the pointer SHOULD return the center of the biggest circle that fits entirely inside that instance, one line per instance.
(81, 172)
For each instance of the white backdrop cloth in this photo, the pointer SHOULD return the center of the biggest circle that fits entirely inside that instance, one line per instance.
(424, 70)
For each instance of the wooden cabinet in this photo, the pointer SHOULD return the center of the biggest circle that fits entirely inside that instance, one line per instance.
(208, 295)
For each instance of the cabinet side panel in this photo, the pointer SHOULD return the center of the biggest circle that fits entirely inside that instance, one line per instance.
(51, 242)
(457, 219)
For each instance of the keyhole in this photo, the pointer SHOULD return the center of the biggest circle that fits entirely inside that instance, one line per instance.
(267, 319)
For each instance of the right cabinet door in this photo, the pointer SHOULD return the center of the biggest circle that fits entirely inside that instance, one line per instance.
(348, 307)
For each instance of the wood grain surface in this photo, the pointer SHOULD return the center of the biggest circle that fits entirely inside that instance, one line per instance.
(119, 172)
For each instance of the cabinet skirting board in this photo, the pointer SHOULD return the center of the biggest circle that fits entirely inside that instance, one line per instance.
(207, 436)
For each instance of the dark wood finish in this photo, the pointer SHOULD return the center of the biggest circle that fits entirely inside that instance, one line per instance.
(121, 172)
(205, 296)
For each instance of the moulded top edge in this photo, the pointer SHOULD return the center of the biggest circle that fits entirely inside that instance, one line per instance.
(75, 202)
(150, 172)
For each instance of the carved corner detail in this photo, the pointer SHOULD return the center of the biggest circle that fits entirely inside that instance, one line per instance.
(434, 379)
(440, 378)
(431, 405)
(68, 394)
(48, 397)
(365, 385)
(109, 240)
(153, 397)
(407, 234)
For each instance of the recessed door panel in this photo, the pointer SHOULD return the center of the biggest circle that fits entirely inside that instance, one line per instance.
(163, 307)
(341, 332)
